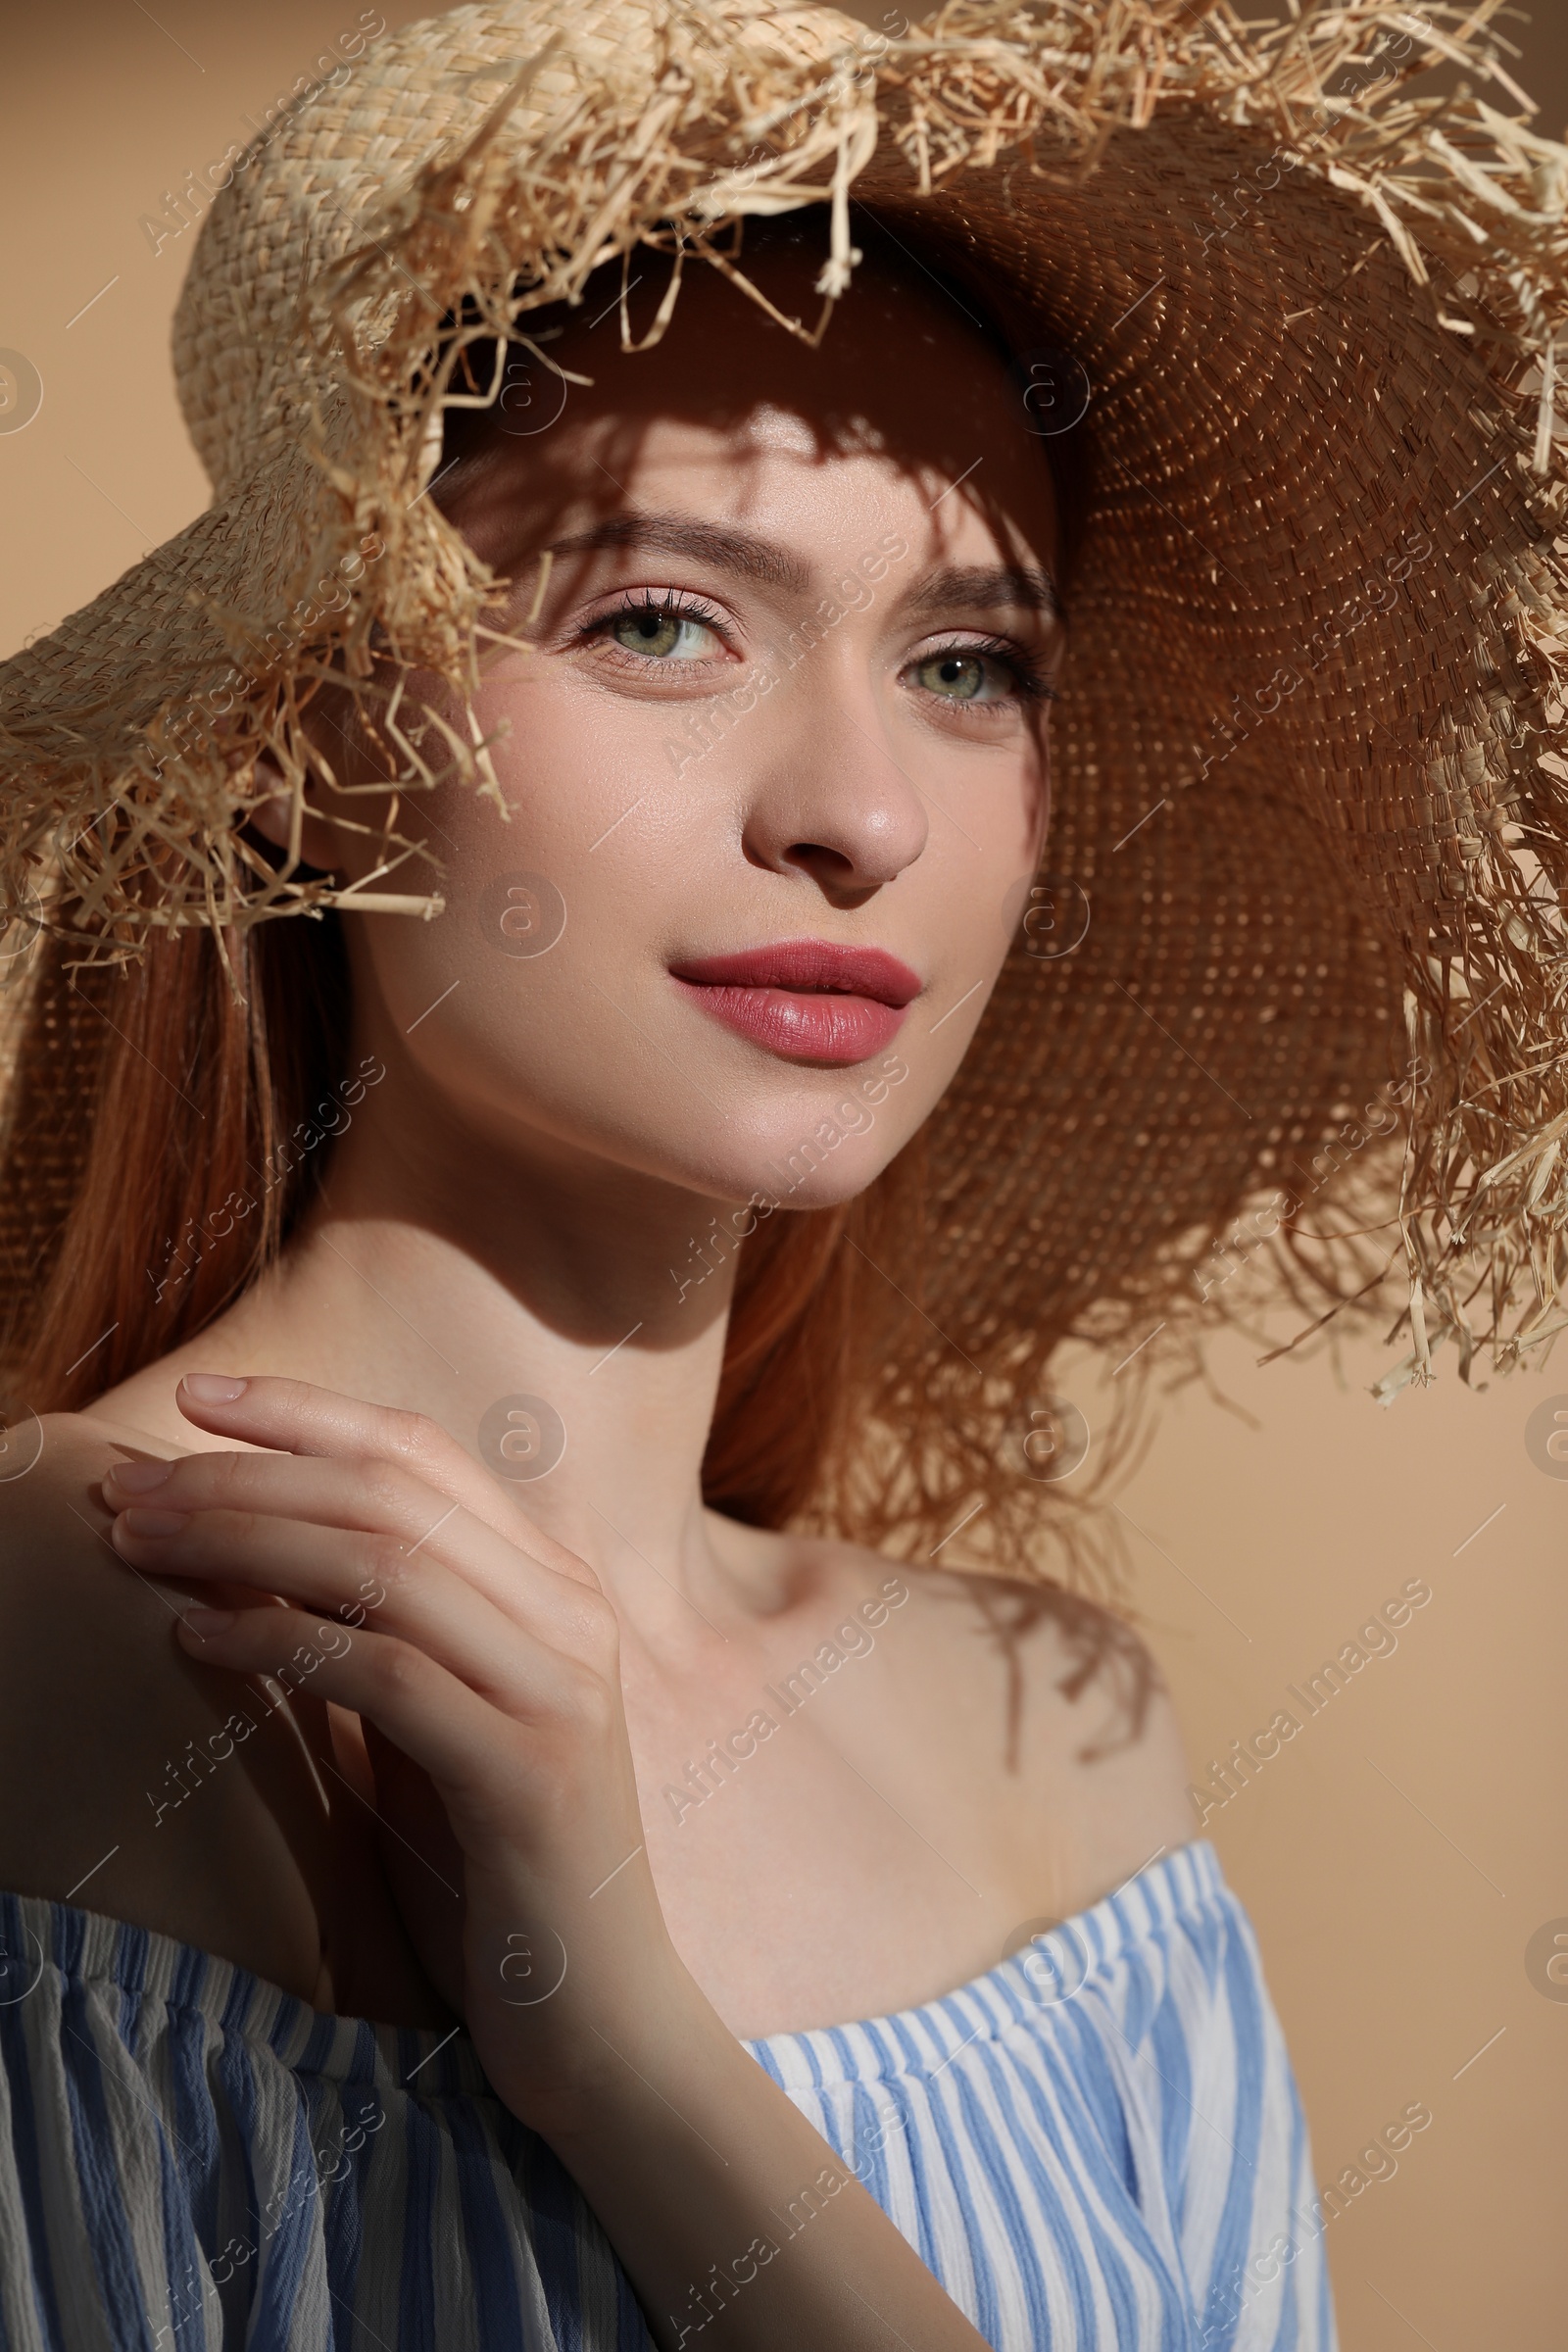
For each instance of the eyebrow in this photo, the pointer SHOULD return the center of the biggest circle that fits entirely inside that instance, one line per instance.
(988, 585)
(739, 551)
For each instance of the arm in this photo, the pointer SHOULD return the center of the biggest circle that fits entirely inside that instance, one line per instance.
(483, 1659)
(111, 1795)
(734, 2219)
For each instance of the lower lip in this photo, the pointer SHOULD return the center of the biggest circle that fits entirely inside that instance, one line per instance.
(800, 1026)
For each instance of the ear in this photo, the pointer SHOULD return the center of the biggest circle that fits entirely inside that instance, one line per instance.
(272, 819)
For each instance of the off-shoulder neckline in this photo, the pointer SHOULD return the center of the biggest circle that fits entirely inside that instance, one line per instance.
(155, 1974)
(1030, 1985)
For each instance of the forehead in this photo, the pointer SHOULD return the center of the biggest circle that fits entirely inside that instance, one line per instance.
(902, 400)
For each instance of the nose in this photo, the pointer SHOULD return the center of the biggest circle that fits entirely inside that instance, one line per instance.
(830, 800)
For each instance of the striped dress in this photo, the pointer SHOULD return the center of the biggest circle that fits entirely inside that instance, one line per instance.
(1098, 2143)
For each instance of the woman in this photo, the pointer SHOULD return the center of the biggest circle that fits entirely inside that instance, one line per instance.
(410, 1582)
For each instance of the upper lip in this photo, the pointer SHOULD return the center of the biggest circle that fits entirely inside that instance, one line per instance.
(810, 966)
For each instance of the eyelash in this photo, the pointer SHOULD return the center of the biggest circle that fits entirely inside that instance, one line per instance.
(656, 608)
(1032, 686)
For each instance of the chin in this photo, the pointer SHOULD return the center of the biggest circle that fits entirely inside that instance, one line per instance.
(822, 1168)
(834, 1137)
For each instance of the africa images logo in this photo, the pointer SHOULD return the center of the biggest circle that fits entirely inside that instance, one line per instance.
(1546, 1437)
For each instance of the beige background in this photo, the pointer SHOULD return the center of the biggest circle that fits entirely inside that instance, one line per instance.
(1400, 1855)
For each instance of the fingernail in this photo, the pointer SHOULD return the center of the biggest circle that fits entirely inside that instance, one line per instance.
(140, 1478)
(153, 1523)
(212, 1388)
(197, 1620)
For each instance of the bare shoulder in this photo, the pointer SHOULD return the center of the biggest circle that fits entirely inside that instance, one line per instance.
(1047, 1707)
(133, 1781)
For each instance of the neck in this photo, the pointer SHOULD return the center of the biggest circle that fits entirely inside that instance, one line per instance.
(478, 1276)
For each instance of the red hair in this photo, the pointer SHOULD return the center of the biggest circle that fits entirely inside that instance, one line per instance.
(201, 1158)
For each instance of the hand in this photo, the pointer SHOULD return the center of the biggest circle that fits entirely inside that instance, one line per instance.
(483, 1658)
(394, 1576)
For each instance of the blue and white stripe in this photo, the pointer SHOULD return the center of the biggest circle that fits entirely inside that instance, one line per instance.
(1123, 2167)
(191, 2159)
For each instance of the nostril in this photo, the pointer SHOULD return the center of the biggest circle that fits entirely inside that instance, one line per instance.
(815, 855)
(840, 880)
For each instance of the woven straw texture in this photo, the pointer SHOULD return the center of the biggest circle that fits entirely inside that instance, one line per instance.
(1309, 752)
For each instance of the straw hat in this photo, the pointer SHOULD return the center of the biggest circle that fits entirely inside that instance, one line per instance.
(1311, 784)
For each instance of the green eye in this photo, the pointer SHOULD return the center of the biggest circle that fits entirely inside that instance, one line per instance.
(658, 631)
(961, 677)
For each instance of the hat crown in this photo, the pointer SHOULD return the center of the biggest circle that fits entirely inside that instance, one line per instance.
(332, 163)
(1319, 618)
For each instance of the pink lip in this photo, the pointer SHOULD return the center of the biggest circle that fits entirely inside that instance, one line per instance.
(806, 1000)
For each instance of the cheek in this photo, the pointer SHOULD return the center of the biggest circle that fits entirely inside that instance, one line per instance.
(976, 889)
(570, 762)
(541, 999)
(509, 998)
(1003, 808)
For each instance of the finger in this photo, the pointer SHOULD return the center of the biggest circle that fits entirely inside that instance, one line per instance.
(478, 1761)
(293, 1416)
(380, 1499)
(342, 1570)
